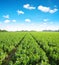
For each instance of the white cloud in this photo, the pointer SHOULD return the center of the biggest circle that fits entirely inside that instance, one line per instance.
(45, 20)
(27, 20)
(44, 9)
(7, 21)
(27, 6)
(31, 26)
(53, 11)
(13, 20)
(6, 16)
(20, 12)
(0, 23)
(47, 9)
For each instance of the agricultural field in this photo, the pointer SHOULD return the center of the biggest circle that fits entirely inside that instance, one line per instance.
(29, 48)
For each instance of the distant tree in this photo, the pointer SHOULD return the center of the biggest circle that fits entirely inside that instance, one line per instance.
(50, 30)
(47, 30)
(32, 31)
(3, 30)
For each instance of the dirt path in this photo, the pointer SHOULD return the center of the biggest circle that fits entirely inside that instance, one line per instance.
(12, 53)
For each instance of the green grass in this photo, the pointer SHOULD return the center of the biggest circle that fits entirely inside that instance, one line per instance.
(29, 48)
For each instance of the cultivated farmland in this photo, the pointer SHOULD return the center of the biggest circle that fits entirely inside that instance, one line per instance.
(29, 48)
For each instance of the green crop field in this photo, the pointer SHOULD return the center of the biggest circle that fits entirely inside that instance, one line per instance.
(29, 48)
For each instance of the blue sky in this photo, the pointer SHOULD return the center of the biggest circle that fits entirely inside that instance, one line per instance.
(29, 15)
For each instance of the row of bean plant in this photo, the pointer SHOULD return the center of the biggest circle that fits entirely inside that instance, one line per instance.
(49, 42)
